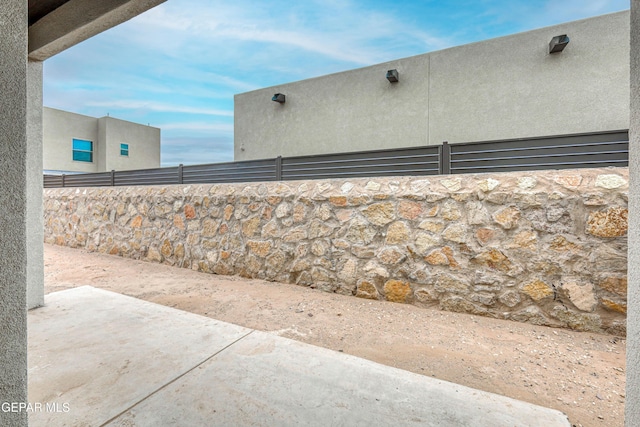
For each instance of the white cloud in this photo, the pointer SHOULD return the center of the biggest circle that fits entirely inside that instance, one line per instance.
(198, 126)
(160, 107)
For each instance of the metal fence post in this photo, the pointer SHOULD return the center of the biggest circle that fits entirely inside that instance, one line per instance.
(445, 159)
(279, 168)
(180, 173)
(113, 177)
(63, 180)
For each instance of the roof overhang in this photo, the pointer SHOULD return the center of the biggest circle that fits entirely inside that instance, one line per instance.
(56, 25)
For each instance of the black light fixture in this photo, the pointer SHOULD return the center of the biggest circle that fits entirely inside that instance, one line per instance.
(392, 76)
(558, 43)
(278, 97)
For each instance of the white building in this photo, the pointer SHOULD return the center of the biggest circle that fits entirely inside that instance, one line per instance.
(77, 143)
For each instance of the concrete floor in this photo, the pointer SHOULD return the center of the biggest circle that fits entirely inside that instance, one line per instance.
(97, 358)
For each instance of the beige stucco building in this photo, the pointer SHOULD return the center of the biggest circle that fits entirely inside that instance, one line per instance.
(504, 88)
(78, 143)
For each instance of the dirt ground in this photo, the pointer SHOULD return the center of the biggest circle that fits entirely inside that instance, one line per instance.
(580, 374)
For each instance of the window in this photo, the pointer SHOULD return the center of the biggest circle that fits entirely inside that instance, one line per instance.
(82, 150)
(124, 150)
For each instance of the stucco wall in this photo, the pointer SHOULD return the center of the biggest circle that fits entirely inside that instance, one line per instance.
(509, 87)
(107, 133)
(546, 247)
(13, 212)
(632, 402)
(143, 141)
(35, 265)
(59, 130)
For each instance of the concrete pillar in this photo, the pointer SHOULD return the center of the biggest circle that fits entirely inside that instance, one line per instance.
(35, 222)
(632, 405)
(13, 208)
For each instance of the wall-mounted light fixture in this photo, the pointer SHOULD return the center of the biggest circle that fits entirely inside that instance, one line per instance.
(392, 76)
(558, 43)
(278, 97)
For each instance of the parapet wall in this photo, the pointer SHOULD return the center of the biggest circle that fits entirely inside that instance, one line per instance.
(547, 247)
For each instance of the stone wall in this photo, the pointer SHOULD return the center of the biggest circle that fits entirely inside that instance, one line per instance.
(547, 247)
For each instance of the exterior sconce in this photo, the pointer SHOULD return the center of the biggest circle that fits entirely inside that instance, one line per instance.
(558, 43)
(278, 97)
(392, 76)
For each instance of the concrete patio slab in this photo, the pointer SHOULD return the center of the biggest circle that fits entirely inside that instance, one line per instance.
(94, 353)
(119, 361)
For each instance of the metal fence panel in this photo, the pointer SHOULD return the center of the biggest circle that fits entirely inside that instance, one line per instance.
(158, 176)
(52, 181)
(102, 179)
(408, 161)
(256, 170)
(560, 152)
(564, 152)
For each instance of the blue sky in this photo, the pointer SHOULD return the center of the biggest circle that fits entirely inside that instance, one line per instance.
(178, 65)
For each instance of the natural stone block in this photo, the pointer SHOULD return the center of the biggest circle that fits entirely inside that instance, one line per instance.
(531, 314)
(295, 235)
(525, 240)
(485, 235)
(397, 291)
(569, 181)
(178, 222)
(507, 217)
(283, 210)
(425, 241)
(460, 305)
(380, 213)
(299, 212)
(209, 227)
(250, 226)
(450, 211)
(319, 229)
(426, 295)
(338, 201)
(189, 212)
(347, 273)
(455, 233)
(510, 298)
(437, 257)
(154, 255)
(136, 222)
(452, 184)
(362, 251)
(367, 290)
(494, 259)
(610, 181)
(431, 225)
(612, 222)
(260, 248)
(488, 184)
(452, 284)
(270, 229)
(360, 232)
(397, 232)
(477, 214)
(538, 290)
(581, 295)
(166, 250)
(409, 210)
(577, 321)
(372, 186)
(319, 247)
(527, 182)
(614, 306)
(228, 212)
(615, 284)
(391, 256)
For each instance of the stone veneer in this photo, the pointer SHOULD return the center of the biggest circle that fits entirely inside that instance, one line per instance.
(545, 247)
